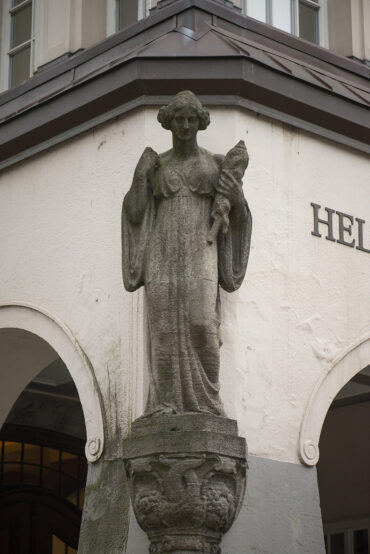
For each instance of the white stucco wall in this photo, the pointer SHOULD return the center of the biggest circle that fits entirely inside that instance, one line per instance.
(303, 301)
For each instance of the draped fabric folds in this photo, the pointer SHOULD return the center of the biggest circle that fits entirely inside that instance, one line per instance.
(167, 252)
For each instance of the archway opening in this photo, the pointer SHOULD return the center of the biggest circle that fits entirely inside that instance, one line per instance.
(343, 469)
(42, 462)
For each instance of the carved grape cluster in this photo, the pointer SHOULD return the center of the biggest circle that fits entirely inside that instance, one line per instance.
(149, 507)
(185, 503)
(190, 510)
(220, 506)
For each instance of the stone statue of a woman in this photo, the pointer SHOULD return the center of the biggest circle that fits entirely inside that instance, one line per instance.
(166, 218)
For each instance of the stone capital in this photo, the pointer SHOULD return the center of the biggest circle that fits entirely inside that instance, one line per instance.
(187, 476)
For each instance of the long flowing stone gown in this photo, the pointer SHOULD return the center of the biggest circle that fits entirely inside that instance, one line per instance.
(167, 252)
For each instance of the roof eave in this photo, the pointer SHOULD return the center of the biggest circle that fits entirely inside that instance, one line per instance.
(65, 99)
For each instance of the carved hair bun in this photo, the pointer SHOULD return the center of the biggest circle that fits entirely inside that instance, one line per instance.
(182, 99)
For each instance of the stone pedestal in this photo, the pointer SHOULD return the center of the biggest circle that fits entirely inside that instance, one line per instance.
(187, 476)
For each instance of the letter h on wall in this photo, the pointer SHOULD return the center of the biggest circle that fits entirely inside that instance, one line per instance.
(328, 222)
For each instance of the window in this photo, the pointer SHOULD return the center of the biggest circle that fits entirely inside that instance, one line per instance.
(42, 485)
(59, 471)
(123, 13)
(304, 18)
(17, 58)
(350, 537)
(127, 13)
(309, 20)
(61, 547)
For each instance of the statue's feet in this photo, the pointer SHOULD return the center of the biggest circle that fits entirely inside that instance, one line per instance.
(161, 409)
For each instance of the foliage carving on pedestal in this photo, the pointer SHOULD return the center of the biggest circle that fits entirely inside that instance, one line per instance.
(185, 502)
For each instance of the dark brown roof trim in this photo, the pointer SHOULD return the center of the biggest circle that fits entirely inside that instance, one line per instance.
(157, 16)
(208, 100)
(269, 76)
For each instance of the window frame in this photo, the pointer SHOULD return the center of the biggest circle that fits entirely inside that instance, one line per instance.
(320, 6)
(347, 527)
(7, 51)
(21, 435)
(113, 14)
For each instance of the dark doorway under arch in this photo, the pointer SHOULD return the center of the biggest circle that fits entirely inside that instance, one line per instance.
(344, 469)
(35, 521)
(42, 459)
(42, 481)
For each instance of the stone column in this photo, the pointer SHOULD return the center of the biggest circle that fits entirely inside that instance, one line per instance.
(105, 518)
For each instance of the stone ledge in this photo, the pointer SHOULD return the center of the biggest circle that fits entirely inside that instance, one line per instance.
(184, 422)
(191, 433)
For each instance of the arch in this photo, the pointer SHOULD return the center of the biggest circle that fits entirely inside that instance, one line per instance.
(345, 366)
(56, 334)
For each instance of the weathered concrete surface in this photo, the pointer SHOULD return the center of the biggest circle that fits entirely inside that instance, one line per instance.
(182, 423)
(105, 520)
(137, 542)
(192, 433)
(281, 511)
(280, 514)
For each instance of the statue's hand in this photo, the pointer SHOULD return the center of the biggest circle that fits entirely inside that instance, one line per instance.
(148, 162)
(231, 188)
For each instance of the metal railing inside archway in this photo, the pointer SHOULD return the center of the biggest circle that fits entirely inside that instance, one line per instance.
(47, 460)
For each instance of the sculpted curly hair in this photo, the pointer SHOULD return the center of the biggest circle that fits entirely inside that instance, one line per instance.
(182, 99)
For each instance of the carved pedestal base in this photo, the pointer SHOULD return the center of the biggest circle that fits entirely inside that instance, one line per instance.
(187, 476)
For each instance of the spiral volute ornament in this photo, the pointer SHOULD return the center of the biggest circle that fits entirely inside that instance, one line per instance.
(93, 449)
(310, 453)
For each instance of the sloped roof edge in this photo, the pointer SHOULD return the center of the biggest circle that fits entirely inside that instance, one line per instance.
(199, 45)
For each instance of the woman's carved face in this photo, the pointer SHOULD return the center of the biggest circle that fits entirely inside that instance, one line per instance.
(185, 123)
